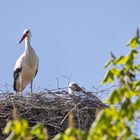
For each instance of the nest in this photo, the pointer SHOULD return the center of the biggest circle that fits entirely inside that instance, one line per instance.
(51, 108)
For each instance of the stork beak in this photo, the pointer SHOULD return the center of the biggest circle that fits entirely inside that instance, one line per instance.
(23, 37)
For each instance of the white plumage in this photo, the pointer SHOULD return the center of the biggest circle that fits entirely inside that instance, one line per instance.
(74, 87)
(26, 66)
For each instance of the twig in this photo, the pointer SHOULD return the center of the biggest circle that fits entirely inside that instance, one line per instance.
(69, 113)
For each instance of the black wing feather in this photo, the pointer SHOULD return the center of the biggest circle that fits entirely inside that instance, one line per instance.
(78, 89)
(36, 73)
(16, 75)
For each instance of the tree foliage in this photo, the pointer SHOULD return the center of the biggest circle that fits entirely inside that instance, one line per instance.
(118, 123)
(19, 130)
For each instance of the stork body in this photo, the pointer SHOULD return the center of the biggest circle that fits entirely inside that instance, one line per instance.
(74, 87)
(26, 66)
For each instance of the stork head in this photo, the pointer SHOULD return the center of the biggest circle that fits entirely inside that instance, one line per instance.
(74, 87)
(26, 34)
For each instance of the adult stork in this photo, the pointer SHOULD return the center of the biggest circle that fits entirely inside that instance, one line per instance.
(26, 66)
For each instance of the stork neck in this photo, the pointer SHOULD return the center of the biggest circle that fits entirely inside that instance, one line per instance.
(27, 44)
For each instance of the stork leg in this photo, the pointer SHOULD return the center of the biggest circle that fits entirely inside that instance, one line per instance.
(17, 93)
(31, 90)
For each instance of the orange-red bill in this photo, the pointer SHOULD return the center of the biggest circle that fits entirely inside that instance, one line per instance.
(23, 37)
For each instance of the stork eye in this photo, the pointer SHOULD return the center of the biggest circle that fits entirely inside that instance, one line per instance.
(27, 32)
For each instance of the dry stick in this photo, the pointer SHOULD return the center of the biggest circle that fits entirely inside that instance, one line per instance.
(15, 115)
(55, 90)
(67, 77)
(55, 126)
(10, 100)
(69, 113)
(57, 79)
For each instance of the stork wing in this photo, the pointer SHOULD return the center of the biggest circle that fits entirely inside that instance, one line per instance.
(16, 75)
(36, 73)
(17, 70)
(77, 87)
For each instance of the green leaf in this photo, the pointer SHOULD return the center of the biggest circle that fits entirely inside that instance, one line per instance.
(37, 130)
(7, 129)
(134, 42)
(133, 53)
(12, 136)
(83, 135)
(115, 97)
(137, 67)
(127, 109)
(108, 63)
(121, 60)
(116, 72)
(16, 126)
(130, 93)
(109, 77)
(24, 127)
(130, 61)
(71, 131)
(58, 137)
(19, 127)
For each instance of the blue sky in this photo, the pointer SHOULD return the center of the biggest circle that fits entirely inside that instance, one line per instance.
(70, 36)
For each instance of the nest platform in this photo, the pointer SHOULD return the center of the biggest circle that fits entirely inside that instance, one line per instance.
(51, 108)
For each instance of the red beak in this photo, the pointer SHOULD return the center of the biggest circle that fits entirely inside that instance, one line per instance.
(23, 37)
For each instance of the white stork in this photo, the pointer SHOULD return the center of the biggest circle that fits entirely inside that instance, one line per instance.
(74, 87)
(26, 66)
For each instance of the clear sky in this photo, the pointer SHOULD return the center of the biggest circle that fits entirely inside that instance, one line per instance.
(70, 37)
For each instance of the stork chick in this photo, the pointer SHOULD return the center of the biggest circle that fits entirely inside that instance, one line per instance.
(74, 87)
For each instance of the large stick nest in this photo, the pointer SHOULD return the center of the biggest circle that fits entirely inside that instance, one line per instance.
(51, 108)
